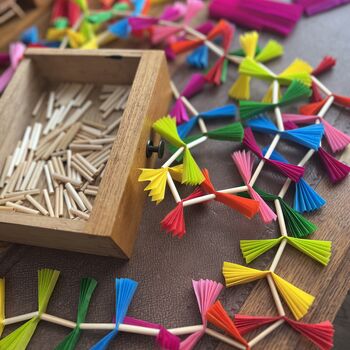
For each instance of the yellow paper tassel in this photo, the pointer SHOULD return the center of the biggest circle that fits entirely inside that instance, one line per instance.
(249, 41)
(240, 88)
(297, 70)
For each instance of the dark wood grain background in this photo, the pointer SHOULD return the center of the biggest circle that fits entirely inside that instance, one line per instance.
(164, 266)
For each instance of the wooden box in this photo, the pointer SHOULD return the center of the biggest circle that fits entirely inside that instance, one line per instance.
(114, 221)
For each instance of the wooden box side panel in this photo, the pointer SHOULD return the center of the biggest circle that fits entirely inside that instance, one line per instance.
(119, 203)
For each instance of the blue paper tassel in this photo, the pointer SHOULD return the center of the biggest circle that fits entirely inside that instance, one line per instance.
(138, 6)
(121, 28)
(125, 289)
(306, 198)
(185, 128)
(30, 36)
(309, 136)
(262, 124)
(199, 58)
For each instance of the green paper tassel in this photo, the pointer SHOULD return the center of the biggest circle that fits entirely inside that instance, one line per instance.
(272, 50)
(265, 196)
(231, 132)
(105, 16)
(224, 71)
(87, 287)
(251, 249)
(296, 224)
(20, 338)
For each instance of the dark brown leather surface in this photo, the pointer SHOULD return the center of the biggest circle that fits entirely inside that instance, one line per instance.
(164, 266)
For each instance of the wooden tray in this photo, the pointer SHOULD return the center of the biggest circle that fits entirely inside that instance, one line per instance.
(114, 221)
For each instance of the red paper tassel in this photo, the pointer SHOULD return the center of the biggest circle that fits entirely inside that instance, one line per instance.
(316, 94)
(342, 101)
(247, 207)
(214, 74)
(312, 108)
(174, 222)
(185, 46)
(218, 316)
(326, 64)
(73, 12)
(321, 334)
(336, 170)
(246, 324)
(58, 9)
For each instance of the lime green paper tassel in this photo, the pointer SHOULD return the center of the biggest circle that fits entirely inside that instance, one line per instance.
(251, 249)
(87, 287)
(271, 50)
(231, 132)
(166, 127)
(19, 339)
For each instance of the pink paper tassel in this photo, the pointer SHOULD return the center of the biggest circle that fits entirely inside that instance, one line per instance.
(246, 324)
(193, 7)
(207, 292)
(174, 12)
(194, 85)
(179, 112)
(336, 139)
(244, 163)
(161, 33)
(269, 15)
(336, 170)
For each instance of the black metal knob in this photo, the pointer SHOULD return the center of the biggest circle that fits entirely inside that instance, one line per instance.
(150, 149)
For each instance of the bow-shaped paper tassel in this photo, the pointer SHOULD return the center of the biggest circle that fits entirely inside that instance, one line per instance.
(104, 16)
(174, 222)
(306, 199)
(297, 225)
(226, 111)
(87, 287)
(206, 292)
(2, 304)
(297, 70)
(160, 33)
(165, 340)
(244, 163)
(321, 334)
(249, 41)
(295, 91)
(125, 289)
(166, 127)
(294, 172)
(195, 85)
(157, 179)
(218, 316)
(315, 249)
(314, 107)
(217, 74)
(308, 136)
(245, 206)
(16, 53)
(336, 139)
(297, 300)
(20, 338)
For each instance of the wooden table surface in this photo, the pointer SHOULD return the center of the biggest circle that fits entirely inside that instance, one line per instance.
(164, 267)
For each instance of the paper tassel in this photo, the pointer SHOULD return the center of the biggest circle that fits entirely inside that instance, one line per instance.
(166, 127)
(179, 111)
(246, 324)
(268, 15)
(157, 179)
(296, 91)
(244, 163)
(272, 50)
(312, 108)
(227, 111)
(326, 64)
(194, 85)
(336, 139)
(20, 338)
(306, 199)
(30, 35)
(235, 274)
(160, 33)
(218, 316)
(215, 74)
(125, 289)
(87, 287)
(316, 93)
(297, 225)
(315, 249)
(247, 207)
(294, 172)
(120, 29)
(309, 136)
(321, 334)
(240, 88)
(174, 222)
(312, 7)
(336, 170)
(298, 70)
(231, 132)
(139, 23)
(199, 58)
(206, 292)
(2, 304)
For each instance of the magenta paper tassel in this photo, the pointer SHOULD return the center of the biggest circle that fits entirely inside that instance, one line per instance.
(194, 85)
(179, 112)
(139, 23)
(336, 170)
(312, 7)
(268, 15)
(4, 59)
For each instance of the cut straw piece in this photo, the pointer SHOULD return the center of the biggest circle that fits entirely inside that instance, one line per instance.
(95, 125)
(4, 208)
(38, 105)
(82, 96)
(78, 113)
(18, 193)
(70, 189)
(57, 202)
(91, 130)
(22, 209)
(48, 203)
(69, 137)
(65, 179)
(86, 163)
(50, 105)
(34, 140)
(80, 214)
(48, 179)
(68, 204)
(36, 205)
(85, 201)
(85, 174)
(28, 176)
(113, 126)
(90, 192)
(61, 208)
(85, 147)
(53, 147)
(5, 171)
